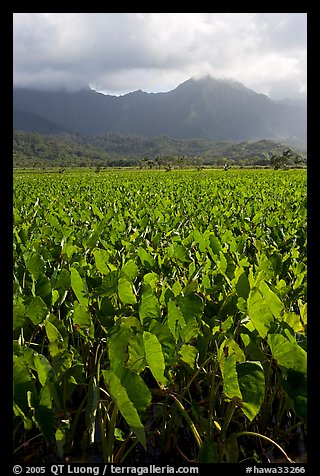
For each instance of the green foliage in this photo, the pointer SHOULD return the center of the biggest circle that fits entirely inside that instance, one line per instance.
(114, 150)
(148, 303)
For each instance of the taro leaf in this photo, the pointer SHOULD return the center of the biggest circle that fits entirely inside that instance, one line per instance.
(106, 311)
(303, 311)
(37, 310)
(96, 232)
(265, 267)
(43, 368)
(57, 335)
(152, 279)
(253, 350)
(293, 320)
(136, 360)
(223, 264)
(200, 240)
(101, 259)
(34, 264)
(190, 330)
(276, 260)
(27, 422)
(81, 316)
(252, 385)
(149, 306)
(110, 283)
(138, 392)
(125, 405)
(79, 287)
(55, 296)
(19, 313)
(209, 452)
(46, 375)
(61, 438)
(243, 286)
(63, 281)
(154, 357)
(229, 354)
(190, 288)
(259, 313)
(274, 303)
(181, 253)
(125, 291)
(43, 289)
(68, 250)
(22, 383)
(146, 259)
(215, 244)
(118, 347)
(194, 271)
(188, 354)
(229, 346)
(242, 305)
(96, 210)
(175, 319)
(91, 408)
(176, 288)
(70, 373)
(231, 387)
(130, 269)
(191, 306)
(62, 335)
(295, 386)
(288, 354)
(164, 336)
(43, 413)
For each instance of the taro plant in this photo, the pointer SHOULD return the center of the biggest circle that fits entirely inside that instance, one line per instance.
(159, 316)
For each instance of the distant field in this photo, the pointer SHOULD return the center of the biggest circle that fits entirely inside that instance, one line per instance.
(160, 316)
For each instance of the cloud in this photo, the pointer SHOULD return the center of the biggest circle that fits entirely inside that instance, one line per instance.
(122, 52)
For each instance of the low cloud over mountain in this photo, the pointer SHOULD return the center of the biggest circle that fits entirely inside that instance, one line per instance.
(206, 108)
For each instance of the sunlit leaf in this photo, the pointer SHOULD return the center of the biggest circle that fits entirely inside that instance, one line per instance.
(125, 292)
(259, 312)
(125, 405)
(154, 357)
(252, 386)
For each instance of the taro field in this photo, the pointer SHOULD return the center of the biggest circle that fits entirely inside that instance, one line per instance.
(160, 316)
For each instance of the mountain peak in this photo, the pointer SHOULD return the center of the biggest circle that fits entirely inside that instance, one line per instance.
(209, 83)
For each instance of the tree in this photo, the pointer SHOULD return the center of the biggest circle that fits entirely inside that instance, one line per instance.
(280, 161)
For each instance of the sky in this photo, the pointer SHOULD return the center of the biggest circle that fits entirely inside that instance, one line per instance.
(117, 53)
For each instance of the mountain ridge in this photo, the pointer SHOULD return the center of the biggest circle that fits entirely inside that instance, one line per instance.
(205, 108)
(63, 149)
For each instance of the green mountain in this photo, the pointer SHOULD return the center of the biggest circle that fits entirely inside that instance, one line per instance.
(29, 122)
(39, 150)
(207, 108)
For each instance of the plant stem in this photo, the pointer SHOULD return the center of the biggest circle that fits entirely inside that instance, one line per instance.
(26, 443)
(197, 373)
(135, 443)
(111, 427)
(252, 433)
(229, 413)
(213, 393)
(293, 427)
(188, 420)
(103, 434)
(76, 418)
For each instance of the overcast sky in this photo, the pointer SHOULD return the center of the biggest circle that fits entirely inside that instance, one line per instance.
(122, 52)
